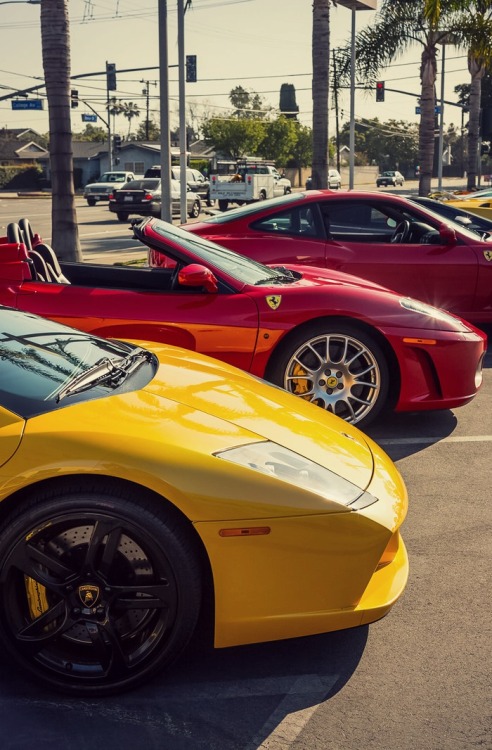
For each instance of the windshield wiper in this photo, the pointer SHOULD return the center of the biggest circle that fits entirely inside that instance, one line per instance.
(112, 371)
(286, 277)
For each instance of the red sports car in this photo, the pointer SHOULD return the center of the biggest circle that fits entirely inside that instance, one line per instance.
(344, 343)
(381, 237)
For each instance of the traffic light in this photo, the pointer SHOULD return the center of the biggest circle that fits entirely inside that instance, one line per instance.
(111, 76)
(117, 142)
(380, 91)
(74, 98)
(190, 68)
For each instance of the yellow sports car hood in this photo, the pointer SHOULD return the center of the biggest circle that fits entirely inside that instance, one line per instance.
(270, 413)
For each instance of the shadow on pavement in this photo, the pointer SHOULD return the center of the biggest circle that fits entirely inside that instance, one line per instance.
(230, 699)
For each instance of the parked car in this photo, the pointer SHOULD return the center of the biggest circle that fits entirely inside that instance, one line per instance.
(346, 344)
(195, 180)
(389, 178)
(334, 180)
(104, 185)
(144, 198)
(116, 533)
(379, 236)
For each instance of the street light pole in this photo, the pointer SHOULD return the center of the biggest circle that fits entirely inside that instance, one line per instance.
(441, 125)
(182, 113)
(166, 213)
(354, 6)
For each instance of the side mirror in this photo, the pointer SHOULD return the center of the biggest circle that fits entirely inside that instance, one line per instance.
(198, 275)
(447, 234)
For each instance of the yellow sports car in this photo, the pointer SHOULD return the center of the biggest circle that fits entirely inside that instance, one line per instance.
(144, 486)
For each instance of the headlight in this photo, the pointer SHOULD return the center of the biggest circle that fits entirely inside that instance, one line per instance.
(287, 466)
(431, 312)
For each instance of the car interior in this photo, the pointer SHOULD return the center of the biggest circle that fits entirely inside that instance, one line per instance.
(45, 267)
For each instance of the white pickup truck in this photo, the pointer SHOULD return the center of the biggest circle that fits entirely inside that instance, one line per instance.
(107, 182)
(253, 181)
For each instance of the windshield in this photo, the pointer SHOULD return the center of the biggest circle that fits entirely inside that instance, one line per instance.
(252, 208)
(234, 265)
(39, 358)
(112, 177)
(147, 183)
(470, 233)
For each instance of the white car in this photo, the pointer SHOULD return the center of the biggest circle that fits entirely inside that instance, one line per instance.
(334, 180)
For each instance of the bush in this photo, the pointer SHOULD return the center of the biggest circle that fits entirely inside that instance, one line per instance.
(20, 178)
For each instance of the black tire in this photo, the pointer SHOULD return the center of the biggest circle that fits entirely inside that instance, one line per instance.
(122, 217)
(76, 567)
(223, 204)
(262, 196)
(287, 191)
(209, 201)
(336, 366)
(91, 202)
(194, 211)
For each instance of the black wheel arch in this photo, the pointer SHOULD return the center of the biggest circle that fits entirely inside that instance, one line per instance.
(356, 323)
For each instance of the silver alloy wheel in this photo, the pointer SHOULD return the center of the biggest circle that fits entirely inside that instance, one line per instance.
(337, 372)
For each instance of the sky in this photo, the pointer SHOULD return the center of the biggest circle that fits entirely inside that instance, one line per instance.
(257, 44)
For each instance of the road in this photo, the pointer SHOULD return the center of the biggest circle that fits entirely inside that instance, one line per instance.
(417, 680)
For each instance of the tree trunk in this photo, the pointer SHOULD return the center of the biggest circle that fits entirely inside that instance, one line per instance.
(321, 66)
(55, 37)
(428, 74)
(477, 71)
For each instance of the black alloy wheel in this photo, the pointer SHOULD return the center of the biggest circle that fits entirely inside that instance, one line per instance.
(99, 590)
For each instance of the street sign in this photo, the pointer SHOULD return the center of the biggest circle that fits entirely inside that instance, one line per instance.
(27, 104)
(89, 118)
(437, 110)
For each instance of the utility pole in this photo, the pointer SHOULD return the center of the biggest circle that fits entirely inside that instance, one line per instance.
(145, 92)
(166, 213)
(182, 113)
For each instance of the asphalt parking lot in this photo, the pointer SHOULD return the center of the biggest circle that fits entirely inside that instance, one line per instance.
(417, 680)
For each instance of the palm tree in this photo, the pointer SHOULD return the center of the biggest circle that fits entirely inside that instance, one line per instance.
(55, 38)
(130, 110)
(400, 24)
(474, 32)
(321, 66)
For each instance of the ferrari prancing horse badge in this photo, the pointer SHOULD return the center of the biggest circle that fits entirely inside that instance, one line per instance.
(487, 254)
(274, 301)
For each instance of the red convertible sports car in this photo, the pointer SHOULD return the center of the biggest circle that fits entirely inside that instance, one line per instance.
(344, 343)
(381, 237)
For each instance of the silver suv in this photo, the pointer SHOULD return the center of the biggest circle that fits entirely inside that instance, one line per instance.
(389, 178)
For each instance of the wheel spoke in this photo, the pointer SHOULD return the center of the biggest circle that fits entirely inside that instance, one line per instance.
(40, 630)
(156, 597)
(102, 529)
(107, 650)
(30, 560)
